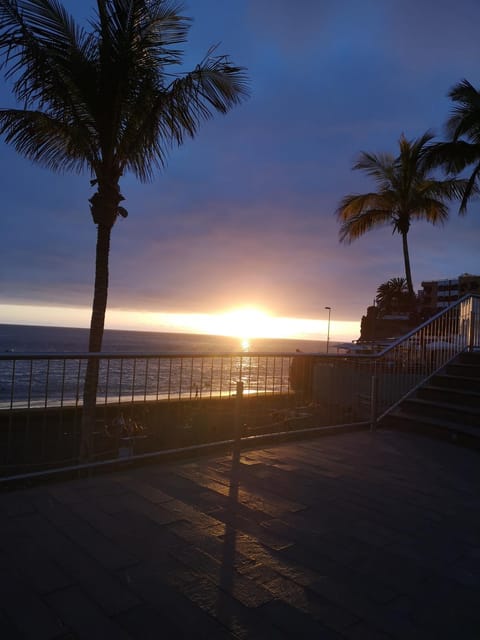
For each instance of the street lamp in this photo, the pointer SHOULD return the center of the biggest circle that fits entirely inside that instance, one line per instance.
(328, 326)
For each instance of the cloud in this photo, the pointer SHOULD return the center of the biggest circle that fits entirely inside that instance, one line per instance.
(244, 213)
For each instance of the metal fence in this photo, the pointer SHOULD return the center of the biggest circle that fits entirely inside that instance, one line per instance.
(367, 387)
(403, 366)
(53, 380)
(150, 403)
(145, 403)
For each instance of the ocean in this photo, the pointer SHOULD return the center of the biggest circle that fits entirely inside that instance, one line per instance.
(161, 373)
(39, 339)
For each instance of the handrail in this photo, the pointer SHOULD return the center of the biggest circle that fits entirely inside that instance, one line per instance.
(405, 365)
(118, 355)
(427, 322)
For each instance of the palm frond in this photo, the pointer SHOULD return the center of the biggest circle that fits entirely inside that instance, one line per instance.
(361, 213)
(359, 204)
(178, 111)
(454, 157)
(471, 189)
(450, 189)
(357, 226)
(431, 210)
(48, 142)
(39, 42)
(392, 295)
(463, 91)
(465, 118)
(141, 33)
(380, 167)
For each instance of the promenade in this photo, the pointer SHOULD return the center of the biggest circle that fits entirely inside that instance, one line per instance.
(355, 536)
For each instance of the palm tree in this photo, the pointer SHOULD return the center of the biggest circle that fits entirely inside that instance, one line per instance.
(406, 192)
(105, 101)
(463, 148)
(392, 295)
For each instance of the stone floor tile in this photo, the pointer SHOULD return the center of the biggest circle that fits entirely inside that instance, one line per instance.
(81, 616)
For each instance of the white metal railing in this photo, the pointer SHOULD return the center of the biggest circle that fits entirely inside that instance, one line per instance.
(367, 386)
(407, 363)
(144, 403)
(182, 400)
(56, 380)
(382, 380)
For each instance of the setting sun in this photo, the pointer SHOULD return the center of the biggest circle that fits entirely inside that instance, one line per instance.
(245, 323)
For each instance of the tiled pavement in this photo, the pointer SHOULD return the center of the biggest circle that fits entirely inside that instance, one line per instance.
(358, 536)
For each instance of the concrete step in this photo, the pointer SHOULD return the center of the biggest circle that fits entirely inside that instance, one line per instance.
(456, 382)
(446, 406)
(455, 432)
(469, 370)
(457, 414)
(450, 395)
(469, 357)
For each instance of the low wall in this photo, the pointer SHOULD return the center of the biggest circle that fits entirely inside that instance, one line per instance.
(40, 438)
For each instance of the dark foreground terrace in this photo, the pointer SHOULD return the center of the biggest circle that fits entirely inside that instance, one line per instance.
(358, 536)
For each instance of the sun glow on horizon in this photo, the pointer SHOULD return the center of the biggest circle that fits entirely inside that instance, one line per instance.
(244, 323)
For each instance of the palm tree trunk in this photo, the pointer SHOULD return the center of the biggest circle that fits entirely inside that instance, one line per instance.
(408, 271)
(95, 341)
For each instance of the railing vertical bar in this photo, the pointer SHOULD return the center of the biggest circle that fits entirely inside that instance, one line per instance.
(274, 360)
(230, 376)
(201, 375)
(47, 375)
(258, 374)
(471, 337)
(12, 388)
(265, 385)
(120, 381)
(211, 376)
(44, 421)
(62, 393)
(30, 377)
(240, 372)
(169, 378)
(285, 375)
(107, 380)
(61, 413)
(147, 362)
(77, 386)
(374, 398)
(191, 377)
(158, 376)
(10, 414)
(221, 376)
(181, 380)
(238, 416)
(249, 374)
(134, 378)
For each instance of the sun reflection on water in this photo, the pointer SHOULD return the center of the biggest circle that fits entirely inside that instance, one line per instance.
(245, 344)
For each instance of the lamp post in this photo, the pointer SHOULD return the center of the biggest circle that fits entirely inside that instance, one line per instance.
(328, 326)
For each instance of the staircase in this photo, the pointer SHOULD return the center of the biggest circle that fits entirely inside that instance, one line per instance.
(446, 406)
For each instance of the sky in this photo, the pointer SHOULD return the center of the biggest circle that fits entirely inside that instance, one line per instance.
(243, 215)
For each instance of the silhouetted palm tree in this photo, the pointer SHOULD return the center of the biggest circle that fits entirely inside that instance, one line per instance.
(106, 101)
(463, 148)
(406, 192)
(392, 295)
